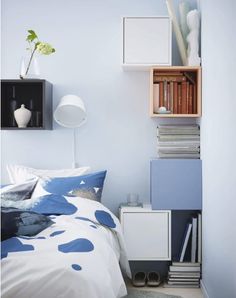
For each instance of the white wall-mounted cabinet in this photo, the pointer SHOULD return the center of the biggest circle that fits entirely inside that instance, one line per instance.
(147, 233)
(147, 41)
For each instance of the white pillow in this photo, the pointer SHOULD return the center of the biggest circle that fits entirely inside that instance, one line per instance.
(19, 174)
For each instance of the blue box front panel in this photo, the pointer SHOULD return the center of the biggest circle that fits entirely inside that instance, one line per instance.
(176, 184)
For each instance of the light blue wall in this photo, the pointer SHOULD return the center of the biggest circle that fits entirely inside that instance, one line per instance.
(218, 147)
(119, 135)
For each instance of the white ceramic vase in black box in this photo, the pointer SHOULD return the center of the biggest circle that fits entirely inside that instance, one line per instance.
(22, 116)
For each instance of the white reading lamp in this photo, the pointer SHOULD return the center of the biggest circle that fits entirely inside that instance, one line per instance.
(71, 113)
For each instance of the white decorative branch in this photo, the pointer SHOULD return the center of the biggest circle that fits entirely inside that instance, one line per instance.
(183, 11)
(178, 34)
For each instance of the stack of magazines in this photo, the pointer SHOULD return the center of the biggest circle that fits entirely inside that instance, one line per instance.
(178, 141)
(183, 275)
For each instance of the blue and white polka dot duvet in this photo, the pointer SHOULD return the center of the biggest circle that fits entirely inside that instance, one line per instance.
(79, 256)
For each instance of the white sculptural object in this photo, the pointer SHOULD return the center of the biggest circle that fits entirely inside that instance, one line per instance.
(193, 22)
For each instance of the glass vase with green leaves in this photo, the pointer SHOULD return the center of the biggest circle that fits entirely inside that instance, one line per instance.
(29, 64)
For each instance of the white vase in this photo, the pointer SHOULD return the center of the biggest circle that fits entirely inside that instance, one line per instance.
(22, 116)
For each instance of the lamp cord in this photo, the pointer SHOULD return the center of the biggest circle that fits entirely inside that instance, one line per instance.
(75, 149)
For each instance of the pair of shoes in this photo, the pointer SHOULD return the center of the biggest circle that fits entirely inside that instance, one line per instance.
(152, 279)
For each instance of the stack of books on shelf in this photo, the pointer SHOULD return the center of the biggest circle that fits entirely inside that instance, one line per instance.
(178, 141)
(184, 275)
(188, 274)
(192, 236)
(176, 91)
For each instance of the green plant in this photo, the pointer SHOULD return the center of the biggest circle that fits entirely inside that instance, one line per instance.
(35, 45)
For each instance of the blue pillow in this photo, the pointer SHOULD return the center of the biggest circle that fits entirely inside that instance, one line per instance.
(16, 222)
(88, 186)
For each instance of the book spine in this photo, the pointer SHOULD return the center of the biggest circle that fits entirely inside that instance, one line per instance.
(194, 99)
(179, 99)
(155, 97)
(185, 264)
(199, 238)
(190, 106)
(183, 279)
(183, 274)
(165, 94)
(188, 269)
(185, 241)
(167, 73)
(184, 98)
(183, 282)
(168, 97)
(187, 95)
(171, 96)
(194, 239)
(158, 78)
(161, 94)
(175, 98)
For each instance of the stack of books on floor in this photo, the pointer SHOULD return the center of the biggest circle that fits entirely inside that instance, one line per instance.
(178, 141)
(184, 275)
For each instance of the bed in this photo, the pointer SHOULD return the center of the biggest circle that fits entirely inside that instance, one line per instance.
(81, 254)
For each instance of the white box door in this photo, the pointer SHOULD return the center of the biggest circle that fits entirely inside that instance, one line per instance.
(147, 40)
(147, 235)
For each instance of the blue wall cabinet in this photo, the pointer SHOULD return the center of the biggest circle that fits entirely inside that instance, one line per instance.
(176, 184)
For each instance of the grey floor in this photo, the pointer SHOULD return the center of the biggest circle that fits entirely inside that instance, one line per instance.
(183, 292)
